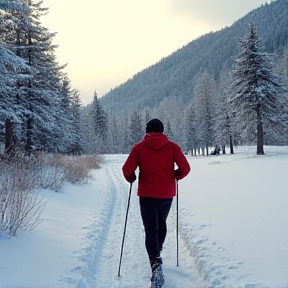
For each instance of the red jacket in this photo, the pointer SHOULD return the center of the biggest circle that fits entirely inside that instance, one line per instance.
(155, 156)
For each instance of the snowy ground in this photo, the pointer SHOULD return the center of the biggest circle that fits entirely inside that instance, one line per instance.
(233, 211)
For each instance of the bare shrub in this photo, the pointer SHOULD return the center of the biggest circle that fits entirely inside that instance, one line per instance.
(20, 202)
(56, 169)
(76, 172)
(77, 168)
(92, 162)
(51, 175)
(21, 177)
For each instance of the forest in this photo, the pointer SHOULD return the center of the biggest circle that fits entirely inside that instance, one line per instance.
(225, 88)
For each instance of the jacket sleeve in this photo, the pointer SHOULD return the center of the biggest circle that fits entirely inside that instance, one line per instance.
(182, 163)
(130, 166)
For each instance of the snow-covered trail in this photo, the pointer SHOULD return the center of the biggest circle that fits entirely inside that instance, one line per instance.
(231, 208)
(102, 243)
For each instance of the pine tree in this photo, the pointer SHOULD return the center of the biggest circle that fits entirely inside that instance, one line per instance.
(136, 130)
(147, 116)
(283, 72)
(76, 133)
(63, 118)
(205, 91)
(100, 123)
(255, 89)
(39, 93)
(126, 137)
(190, 130)
(222, 123)
(169, 130)
(89, 139)
(12, 69)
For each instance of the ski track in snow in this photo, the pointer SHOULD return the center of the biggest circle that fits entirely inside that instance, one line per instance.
(101, 247)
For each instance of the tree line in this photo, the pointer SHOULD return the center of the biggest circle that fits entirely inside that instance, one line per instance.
(40, 110)
(247, 105)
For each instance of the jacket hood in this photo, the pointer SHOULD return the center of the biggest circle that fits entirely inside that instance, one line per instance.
(155, 140)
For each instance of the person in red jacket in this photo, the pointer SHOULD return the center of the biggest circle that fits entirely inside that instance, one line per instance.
(156, 157)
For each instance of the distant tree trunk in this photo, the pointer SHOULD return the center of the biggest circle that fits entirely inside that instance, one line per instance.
(28, 146)
(231, 145)
(260, 140)
(260, 137)
(223, 149)
(8, 136)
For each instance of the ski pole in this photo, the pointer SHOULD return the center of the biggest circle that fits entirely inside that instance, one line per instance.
(124, 230)
(177, 223)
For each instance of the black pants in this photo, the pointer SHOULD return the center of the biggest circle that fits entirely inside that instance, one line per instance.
(154, 212)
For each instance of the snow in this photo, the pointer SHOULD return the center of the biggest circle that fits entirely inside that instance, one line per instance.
(232, 215)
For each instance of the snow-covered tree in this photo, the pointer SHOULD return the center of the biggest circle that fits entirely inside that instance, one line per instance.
(204, 99)
(168, 130)
(222, 123)
(68, 119)
(125, 137)
(12, 69)
(190, 129)
(136, 129)
(87, 130)
(147, 117)
(283, 72)
(255, 98)
(76, 131)
(38, 94)
(100, 124)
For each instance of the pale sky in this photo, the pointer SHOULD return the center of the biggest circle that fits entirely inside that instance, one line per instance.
(106, 42)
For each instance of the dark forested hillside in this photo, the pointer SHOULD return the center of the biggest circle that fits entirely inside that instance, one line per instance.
(174, 77)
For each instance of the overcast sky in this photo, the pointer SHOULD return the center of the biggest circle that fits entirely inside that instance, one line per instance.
(106, 42)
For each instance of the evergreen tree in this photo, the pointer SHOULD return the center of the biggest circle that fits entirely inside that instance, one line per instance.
(114, 138)
(75, 108)
(64, 118)
(168, 131)
(205, 92)
(89, 139)
(100, 122)
(126, 137)
(136, 130)
(222, 123)
(147, 117)
(12, 69)
(38, 94)
(190, 130)
(256, 99)
(283, 71)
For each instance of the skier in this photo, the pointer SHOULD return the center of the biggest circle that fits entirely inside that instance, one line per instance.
(155, 156)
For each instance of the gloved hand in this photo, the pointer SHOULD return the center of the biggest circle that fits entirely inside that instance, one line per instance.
(177, 174)
(132, 178)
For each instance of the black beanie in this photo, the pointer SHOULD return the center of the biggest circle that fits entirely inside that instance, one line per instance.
(154, 125)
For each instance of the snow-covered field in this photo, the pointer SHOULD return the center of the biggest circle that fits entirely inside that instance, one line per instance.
(233, 232)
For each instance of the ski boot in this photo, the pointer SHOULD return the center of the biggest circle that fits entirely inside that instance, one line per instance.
(157, 279)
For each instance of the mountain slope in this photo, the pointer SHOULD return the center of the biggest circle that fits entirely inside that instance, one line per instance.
(175, 75)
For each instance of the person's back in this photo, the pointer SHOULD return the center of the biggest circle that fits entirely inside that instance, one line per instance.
(156, 157)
